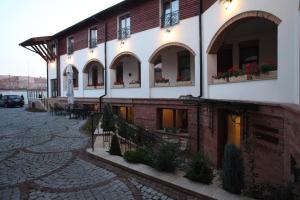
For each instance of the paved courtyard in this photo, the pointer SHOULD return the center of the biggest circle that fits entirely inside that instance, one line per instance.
(43, 157)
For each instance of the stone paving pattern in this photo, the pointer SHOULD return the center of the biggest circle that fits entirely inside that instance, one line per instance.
(43, 157)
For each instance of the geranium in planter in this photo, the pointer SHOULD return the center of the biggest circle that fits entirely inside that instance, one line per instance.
(221, 77)
(236, 75)
(162, 82)
(135, 84)
(180, 81)
(118, 84)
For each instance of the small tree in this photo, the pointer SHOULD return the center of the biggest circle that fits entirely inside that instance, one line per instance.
(233, 170)
(115, 146)
(0, 96)
(108, 123)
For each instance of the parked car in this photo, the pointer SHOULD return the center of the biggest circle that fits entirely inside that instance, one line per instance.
(11, 101)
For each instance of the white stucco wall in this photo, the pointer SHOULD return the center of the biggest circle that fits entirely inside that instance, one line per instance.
(52, 74)
(286, 87)
(143, 44)
(143, 49)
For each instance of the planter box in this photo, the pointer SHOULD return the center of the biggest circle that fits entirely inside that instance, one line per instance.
(267, 76)
(118, 86)
(167, 84)
(94, 87)
(236, 79)
(135, 85)
(220, 81)
(184, 83)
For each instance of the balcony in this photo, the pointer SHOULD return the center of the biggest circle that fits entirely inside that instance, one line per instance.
(170, 19)
(124, 33)
(93, 43)
(93, 76)
(173, 66)
(70, 49)
(126, 71)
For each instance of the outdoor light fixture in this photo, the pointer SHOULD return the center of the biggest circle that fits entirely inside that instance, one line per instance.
(168, 31)
(227, 3)
(122, 42)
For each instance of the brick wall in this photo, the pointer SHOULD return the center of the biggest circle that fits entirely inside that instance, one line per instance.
(144, 15)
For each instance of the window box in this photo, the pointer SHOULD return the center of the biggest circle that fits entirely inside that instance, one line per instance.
(162, 84)
(134, 85)
(220, 81)
(236, 79)
(118, 86)
(184, 83)
(95, 87)
(265, 76)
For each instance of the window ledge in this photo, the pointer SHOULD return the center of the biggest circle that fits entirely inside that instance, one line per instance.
(272, 75)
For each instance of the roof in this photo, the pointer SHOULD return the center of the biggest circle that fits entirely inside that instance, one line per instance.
(36, 41)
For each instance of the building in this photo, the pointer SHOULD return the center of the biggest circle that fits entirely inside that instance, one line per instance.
(29, 87)
(207, 71)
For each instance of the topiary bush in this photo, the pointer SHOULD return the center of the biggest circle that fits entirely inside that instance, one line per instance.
(200, 169)
(140, 155)
(266, 191)
(108, 123)
(115, 146)
(166, 157)
(233, 170)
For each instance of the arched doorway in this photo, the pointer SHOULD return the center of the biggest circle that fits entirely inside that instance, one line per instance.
(75, 78)
(126, 71)
(245, 48)
(93, 75)
(172, 65)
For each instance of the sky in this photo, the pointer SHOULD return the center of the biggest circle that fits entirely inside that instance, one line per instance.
(23, 19)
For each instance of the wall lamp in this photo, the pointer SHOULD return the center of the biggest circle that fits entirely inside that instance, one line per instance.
(227, 3)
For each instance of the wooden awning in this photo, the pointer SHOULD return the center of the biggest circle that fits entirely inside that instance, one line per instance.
(40, 45)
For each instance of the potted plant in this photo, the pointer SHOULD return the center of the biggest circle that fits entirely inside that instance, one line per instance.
(220, 78)
(236, 75)
(180, 81)
(162, 82)
(118, 84)
(135, 84)
(268, 71)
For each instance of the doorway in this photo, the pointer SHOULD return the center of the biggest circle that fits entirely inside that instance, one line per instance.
(229, 131)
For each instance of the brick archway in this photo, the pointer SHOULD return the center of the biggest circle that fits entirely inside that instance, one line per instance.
(217, 40)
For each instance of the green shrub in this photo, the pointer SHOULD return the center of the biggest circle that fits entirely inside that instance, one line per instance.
(108, 123)
(140, 155)
(200, 169)
(266, 191)
(233, 170)
(166, 157)
(115, 146)
(265, 68)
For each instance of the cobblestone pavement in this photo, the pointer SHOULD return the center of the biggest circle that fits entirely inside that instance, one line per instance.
(43, 157)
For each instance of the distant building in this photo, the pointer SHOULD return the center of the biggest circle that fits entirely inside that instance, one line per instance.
(29, 87)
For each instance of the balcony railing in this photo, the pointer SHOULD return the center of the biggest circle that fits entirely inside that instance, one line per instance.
(70, 48)
(93, 43)
(170, 19)
(124, 33)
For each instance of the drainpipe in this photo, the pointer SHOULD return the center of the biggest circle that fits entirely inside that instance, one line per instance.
(105, 67)
(57, 70)
(201, 73)
(47, 80)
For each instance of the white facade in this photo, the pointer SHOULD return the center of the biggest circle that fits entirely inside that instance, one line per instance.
(286, 88)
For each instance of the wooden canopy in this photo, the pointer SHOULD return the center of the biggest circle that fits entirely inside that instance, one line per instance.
(40, 45)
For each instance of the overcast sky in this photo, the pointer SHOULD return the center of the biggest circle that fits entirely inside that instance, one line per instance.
(23, 19)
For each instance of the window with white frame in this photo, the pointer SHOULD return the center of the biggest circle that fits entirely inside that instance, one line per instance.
(170, 13)
(70, 45)
(93, 37)
(124, 26)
